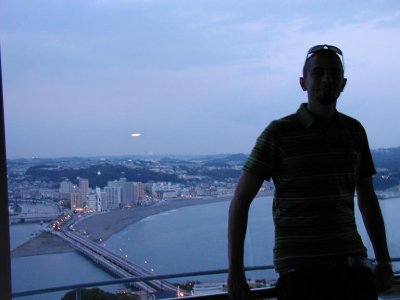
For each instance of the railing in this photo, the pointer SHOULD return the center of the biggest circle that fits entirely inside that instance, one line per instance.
(79, 287)
(264, 293)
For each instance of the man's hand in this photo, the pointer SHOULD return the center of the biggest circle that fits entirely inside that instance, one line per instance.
(384, 278)
(238, 289)
(373, 221)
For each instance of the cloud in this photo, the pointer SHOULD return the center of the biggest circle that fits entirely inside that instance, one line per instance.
(190, 75)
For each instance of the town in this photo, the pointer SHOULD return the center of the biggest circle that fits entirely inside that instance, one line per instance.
(100, 184)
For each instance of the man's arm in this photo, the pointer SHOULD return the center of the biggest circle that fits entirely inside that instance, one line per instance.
(373, 221)
(246, 190)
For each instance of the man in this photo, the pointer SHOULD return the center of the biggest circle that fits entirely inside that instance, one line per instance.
(318, 158)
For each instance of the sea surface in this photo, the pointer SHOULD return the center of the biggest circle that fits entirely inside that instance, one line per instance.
(183, 240)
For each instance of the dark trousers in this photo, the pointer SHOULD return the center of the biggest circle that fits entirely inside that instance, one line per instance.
(323, 283)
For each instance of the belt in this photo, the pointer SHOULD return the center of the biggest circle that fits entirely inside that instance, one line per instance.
(334, 263)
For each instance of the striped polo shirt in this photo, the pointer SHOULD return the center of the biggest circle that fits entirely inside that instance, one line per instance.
(315, 168)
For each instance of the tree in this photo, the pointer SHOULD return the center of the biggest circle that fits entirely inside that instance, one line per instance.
(97, 294)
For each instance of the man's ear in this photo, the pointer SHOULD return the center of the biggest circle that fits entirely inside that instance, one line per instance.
(343, 84)
(303, 84)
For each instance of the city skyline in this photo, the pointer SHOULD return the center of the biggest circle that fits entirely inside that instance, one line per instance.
(144, 77)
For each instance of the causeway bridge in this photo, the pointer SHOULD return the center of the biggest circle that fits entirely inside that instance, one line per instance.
(35, 211)
(36, 217)
(114, 263)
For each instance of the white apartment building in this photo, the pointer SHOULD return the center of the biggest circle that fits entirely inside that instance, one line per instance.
(101, 199)
(65, 187)
(113, 196)
(91, 203)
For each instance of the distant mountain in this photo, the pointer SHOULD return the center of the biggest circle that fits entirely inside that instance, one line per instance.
(229, 159)
(387, 163)
(388, 158)
(217, 167)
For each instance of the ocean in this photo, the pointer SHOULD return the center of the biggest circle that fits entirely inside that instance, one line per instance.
(188, 239)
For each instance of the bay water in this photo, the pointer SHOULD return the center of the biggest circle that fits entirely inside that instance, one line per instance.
(188, 239)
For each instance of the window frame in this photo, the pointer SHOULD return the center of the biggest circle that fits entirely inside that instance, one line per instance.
(5, 257)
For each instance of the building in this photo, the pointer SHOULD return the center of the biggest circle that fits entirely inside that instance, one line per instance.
(114, 194)
(65, 189)
(83, 184)
(139, 194)
(75, 198)
(91, 203)
(128, 193)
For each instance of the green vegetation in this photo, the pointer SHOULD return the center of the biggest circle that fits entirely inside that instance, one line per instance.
(107, 173)
(206, 169)
(97, 294)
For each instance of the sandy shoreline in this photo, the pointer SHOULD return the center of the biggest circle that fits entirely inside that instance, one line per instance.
(104, 225)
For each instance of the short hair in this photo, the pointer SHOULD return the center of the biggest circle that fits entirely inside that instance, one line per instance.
(322, 51)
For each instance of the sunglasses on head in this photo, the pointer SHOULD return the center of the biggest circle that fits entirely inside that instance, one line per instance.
(325, 47)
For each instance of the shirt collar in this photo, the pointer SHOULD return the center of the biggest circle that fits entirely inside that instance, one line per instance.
(307, 119)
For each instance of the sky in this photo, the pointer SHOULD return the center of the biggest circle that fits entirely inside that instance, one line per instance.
(191, 76)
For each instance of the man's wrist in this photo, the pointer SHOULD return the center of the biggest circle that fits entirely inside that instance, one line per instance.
(383, 263)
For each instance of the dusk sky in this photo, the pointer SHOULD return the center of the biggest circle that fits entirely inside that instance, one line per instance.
(192, 76)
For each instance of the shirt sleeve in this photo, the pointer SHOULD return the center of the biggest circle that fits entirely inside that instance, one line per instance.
(367, 167)
(264, 159)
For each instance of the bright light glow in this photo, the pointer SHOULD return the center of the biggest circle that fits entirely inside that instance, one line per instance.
(136, 134)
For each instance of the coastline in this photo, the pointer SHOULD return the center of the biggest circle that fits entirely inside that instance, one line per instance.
(103, 225)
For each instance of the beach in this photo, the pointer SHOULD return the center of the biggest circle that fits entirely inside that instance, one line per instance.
(101, 226)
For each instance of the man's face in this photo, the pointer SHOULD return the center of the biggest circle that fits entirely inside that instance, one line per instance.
(323, 79)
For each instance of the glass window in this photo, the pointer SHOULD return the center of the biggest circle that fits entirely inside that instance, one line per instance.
(128, 122)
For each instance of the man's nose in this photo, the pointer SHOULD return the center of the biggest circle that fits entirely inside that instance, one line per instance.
(326, 77)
